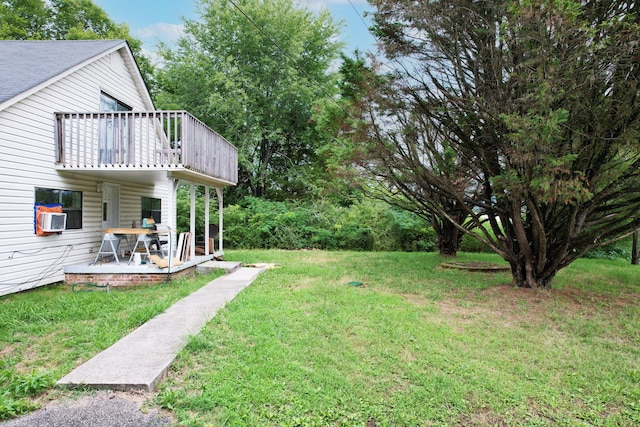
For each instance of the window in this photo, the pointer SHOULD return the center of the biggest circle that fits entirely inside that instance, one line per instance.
(152, 208)
(71, 202)
(114, 133)
(109, 103)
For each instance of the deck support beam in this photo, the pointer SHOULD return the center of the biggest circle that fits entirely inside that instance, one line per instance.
(207, 249)
(172, 189)
(220, 216)
(192, 222)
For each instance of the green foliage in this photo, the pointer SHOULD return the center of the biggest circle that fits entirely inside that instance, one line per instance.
(257, 78)
(16, 387)
(10, 407)
(617, 250)
(471, 244)
(366, 225)
(28, 385)
(66, 20)
(23, 20)
(412, 232)
(46, 332)
(183, 210)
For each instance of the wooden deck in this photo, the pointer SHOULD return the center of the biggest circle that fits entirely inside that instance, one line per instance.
(139, 140)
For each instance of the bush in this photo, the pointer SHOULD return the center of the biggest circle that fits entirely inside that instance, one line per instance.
(261, 224)
(471, 244)
(366, 225)
(183, 210)
(412, 232)
(617, 250)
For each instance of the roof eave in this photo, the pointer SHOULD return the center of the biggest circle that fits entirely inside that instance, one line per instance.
(131, 64)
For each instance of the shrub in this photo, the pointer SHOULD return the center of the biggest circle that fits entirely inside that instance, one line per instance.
(365, 225)
(412, 232)
(471, 244)
(617, 250)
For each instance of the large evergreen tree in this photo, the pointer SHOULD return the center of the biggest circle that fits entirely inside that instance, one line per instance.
(539, 102)
(255, 70)
(388, 169)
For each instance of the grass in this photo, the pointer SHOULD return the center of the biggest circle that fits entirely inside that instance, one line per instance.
(414, 345)
(46, 332)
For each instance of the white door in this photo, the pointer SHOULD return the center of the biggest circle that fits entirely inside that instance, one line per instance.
(110, 206)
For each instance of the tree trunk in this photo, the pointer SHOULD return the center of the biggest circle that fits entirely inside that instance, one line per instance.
(524, 274)
(449, 239)
(635, 249)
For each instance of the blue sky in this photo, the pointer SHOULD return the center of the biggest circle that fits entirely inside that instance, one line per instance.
(152, 20)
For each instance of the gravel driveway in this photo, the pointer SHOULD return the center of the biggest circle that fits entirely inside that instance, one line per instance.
(101, 409)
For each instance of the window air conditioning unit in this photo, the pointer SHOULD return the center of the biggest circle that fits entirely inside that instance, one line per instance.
(50, 221)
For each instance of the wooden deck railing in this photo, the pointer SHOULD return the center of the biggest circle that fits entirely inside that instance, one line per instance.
(143, 139)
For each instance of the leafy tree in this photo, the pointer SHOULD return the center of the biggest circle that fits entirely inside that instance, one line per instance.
(257, 71)
(337, 119)
(538, 99)
(23, 19)
(66, 20)
(378, 114)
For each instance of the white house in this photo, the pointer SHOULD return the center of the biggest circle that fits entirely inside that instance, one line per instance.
(78, 129)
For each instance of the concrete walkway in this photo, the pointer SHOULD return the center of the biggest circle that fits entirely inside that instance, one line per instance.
(139, 360)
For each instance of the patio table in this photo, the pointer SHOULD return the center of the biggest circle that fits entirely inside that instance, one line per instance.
(144, 237)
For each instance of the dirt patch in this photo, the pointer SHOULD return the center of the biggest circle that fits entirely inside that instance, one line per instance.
(7, 350)
(482, 417)
(507, 305)
(317, 257)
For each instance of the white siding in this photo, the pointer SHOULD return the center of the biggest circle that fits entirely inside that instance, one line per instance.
(27, 161)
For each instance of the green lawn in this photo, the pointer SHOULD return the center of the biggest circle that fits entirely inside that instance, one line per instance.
(415, 345)
(46, 332)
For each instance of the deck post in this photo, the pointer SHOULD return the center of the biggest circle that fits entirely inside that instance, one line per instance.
(172, 188)
(207, 198)
(220, 212)
(192, 224)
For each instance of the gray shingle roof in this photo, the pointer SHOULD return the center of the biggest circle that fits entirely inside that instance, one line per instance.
(25, 64)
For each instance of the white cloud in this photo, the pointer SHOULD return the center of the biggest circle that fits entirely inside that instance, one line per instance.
(168, 33)
(323, 4)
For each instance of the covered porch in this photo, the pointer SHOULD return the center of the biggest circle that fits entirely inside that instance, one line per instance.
(161, 150)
